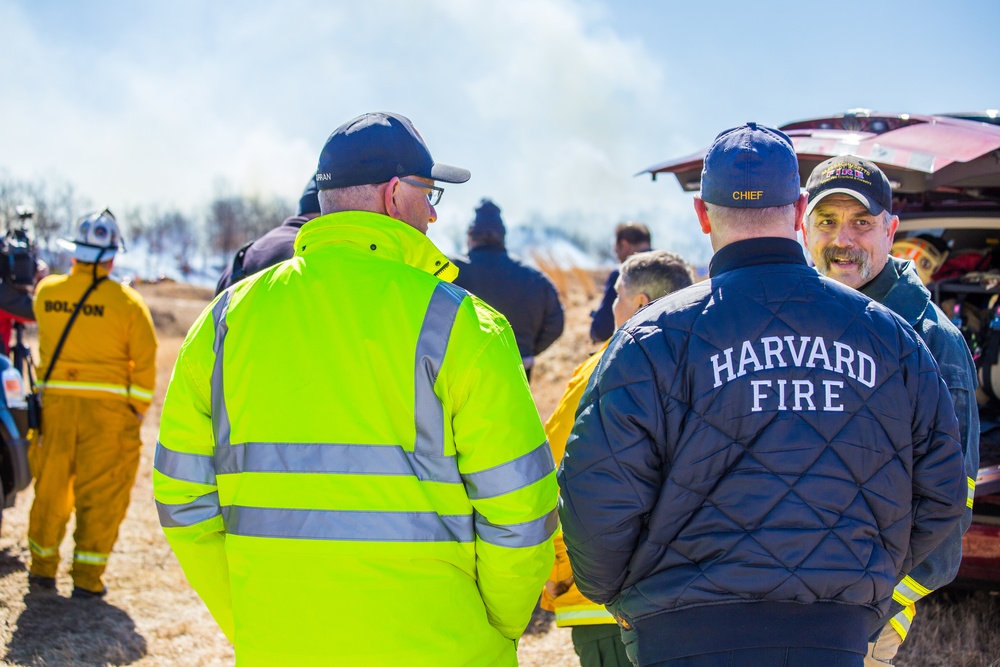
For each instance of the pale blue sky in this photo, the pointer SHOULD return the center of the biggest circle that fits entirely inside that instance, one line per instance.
(553, 105)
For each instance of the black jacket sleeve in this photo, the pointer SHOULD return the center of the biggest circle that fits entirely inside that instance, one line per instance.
(16, 302)
(552, 325)
(603, 324)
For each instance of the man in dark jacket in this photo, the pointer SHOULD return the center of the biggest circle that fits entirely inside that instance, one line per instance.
(275, 246)
(16, 302)
(630, 238)
(758, 456)
(523, 295)
(17, 307)
(849, 231)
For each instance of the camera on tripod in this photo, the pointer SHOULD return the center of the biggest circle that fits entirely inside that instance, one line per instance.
(18, 259)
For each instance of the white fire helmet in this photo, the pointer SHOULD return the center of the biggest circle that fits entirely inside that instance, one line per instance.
(97, 238)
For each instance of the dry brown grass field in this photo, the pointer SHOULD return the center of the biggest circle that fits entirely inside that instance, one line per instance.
(151, 617)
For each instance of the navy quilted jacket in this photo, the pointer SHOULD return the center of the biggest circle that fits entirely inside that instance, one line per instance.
(766, 435)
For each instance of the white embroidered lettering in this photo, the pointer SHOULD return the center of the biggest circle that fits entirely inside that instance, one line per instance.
(758, 394)
(830, 396)
(819, 352)
(797, 358)
(804, 352)
(845, 355)
(803, 392)
(781, 394)
(728, 367)
(772, 350)
(747, 357)
(866, 370)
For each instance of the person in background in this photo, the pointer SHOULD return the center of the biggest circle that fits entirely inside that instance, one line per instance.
(275, 246)
(384, 495)
(849, 233)
(15, 306)
(644, 277)
(630, 238)
(758, 458)
(16, 283)
(522, 294)
(99, 373)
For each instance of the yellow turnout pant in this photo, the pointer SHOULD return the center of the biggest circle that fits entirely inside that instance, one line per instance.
(87, 456)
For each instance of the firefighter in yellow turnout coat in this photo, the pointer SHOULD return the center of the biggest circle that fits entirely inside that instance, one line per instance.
(644, 277)
(93, 402)
(376, 489)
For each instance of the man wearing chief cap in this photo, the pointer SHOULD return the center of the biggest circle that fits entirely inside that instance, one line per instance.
(849, 232)
(383, 494)
(759, 455)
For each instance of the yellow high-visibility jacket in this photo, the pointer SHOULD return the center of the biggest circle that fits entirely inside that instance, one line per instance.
(110, 351)
(571, 607)
(350, 467)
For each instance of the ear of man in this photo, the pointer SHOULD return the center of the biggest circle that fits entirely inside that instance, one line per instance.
(800, 210)
(892, 225)
(389, 198)
(702, 212)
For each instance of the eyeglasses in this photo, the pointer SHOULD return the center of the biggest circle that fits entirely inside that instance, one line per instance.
(434, 194)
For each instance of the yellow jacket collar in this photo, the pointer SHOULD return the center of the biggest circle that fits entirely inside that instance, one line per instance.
(84, 269)
(378, 234)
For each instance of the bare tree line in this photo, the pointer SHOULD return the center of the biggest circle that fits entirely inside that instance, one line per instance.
(170, 236)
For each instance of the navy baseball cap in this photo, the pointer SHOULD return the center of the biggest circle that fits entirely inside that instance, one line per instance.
(850, 175)
(751, 166)
(375, 147)
(309, 201)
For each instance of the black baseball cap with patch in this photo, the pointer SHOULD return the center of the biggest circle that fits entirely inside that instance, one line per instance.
(853, 176)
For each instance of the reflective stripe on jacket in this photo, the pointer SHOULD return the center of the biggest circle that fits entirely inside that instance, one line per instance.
(111, 348)
(571, 607)
(350, 465)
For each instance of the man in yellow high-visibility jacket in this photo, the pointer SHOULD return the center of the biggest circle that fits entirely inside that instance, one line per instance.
(644, 277)
(377, 489)
(93, 401)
